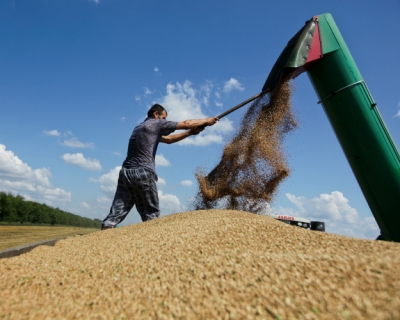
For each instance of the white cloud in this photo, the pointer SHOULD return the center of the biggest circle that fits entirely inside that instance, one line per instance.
(232, 84)
(161, 182)
(201, 140)
(162, 161)
(85, 205)
(218, 104)
(18, 177)
(123, 118)
(54, 133)
(96, 1)
(79, 160)
(187, 183)
(75, 143)
(156, 69)
(397, 115)
(108, 182)
(117, 153)
(334, 209)
(183, 102)
(137, 98)
(147, 91)
(169, 203)
(103, 200)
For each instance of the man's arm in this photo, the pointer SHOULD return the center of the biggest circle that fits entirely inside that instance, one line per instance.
(195, 126)
(191, 124)
(172, 138)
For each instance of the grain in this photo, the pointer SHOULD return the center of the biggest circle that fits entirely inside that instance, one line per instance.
(253, 163)
(207, 264)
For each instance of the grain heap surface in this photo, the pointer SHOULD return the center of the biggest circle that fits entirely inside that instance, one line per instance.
(204, 265)
(253, 163)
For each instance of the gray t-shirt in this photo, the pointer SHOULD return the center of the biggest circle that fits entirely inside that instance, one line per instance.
(144, 141)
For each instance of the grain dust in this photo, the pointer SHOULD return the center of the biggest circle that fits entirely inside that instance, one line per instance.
(253, 163)
(211, 264)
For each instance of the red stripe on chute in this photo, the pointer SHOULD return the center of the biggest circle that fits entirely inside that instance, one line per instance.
(315, 50)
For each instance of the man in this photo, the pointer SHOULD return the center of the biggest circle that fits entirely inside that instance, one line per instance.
(137, 177)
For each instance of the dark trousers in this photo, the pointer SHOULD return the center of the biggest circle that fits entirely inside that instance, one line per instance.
(135, 187)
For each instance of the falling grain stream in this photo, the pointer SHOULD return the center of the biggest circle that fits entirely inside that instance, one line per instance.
(253, 163)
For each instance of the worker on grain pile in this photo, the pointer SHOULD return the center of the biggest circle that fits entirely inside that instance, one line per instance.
(137, 177)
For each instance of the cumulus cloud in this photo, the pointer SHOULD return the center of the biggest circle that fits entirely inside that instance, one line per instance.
(161, 182)
(103, 200)
(85, 205)
(75, 143)
(397, 115)
(155, 69)
(18, 177)
(232, 84)
(169, 203)
(184, 102)
(334, 209)
(147, 91)
(201, 140)
(162, 161)
(108, 182)
(53, 133)
(79, 160)
(187, 183)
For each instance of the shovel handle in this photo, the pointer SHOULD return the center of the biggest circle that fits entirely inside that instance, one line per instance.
(242, 104)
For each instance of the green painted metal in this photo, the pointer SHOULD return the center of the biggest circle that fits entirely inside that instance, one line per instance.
(353, 114)
(359, 127)
(293, 56)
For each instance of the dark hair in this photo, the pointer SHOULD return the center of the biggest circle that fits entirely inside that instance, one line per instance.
(156, 107)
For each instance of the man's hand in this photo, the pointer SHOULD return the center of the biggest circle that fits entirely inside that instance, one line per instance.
(196, 130)
(211, 121)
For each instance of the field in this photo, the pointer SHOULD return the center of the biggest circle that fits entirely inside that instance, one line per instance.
(12, 236)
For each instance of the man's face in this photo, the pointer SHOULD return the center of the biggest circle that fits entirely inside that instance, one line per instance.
(163, 115)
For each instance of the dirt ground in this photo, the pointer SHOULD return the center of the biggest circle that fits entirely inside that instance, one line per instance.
(208, 264)
(12, 236)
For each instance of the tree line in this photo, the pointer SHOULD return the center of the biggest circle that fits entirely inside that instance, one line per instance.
(15, 209)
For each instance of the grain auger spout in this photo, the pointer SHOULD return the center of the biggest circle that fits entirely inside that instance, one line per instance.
(319, 49)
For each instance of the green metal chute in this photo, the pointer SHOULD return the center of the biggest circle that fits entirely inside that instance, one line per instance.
(295, 55)
(319, 49)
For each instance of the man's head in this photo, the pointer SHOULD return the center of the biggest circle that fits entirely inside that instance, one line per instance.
(157, 111)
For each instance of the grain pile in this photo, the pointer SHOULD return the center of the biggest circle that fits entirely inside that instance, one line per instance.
(206, 265)
(253, 163)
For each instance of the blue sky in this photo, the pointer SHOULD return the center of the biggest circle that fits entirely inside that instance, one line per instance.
(77, 76)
